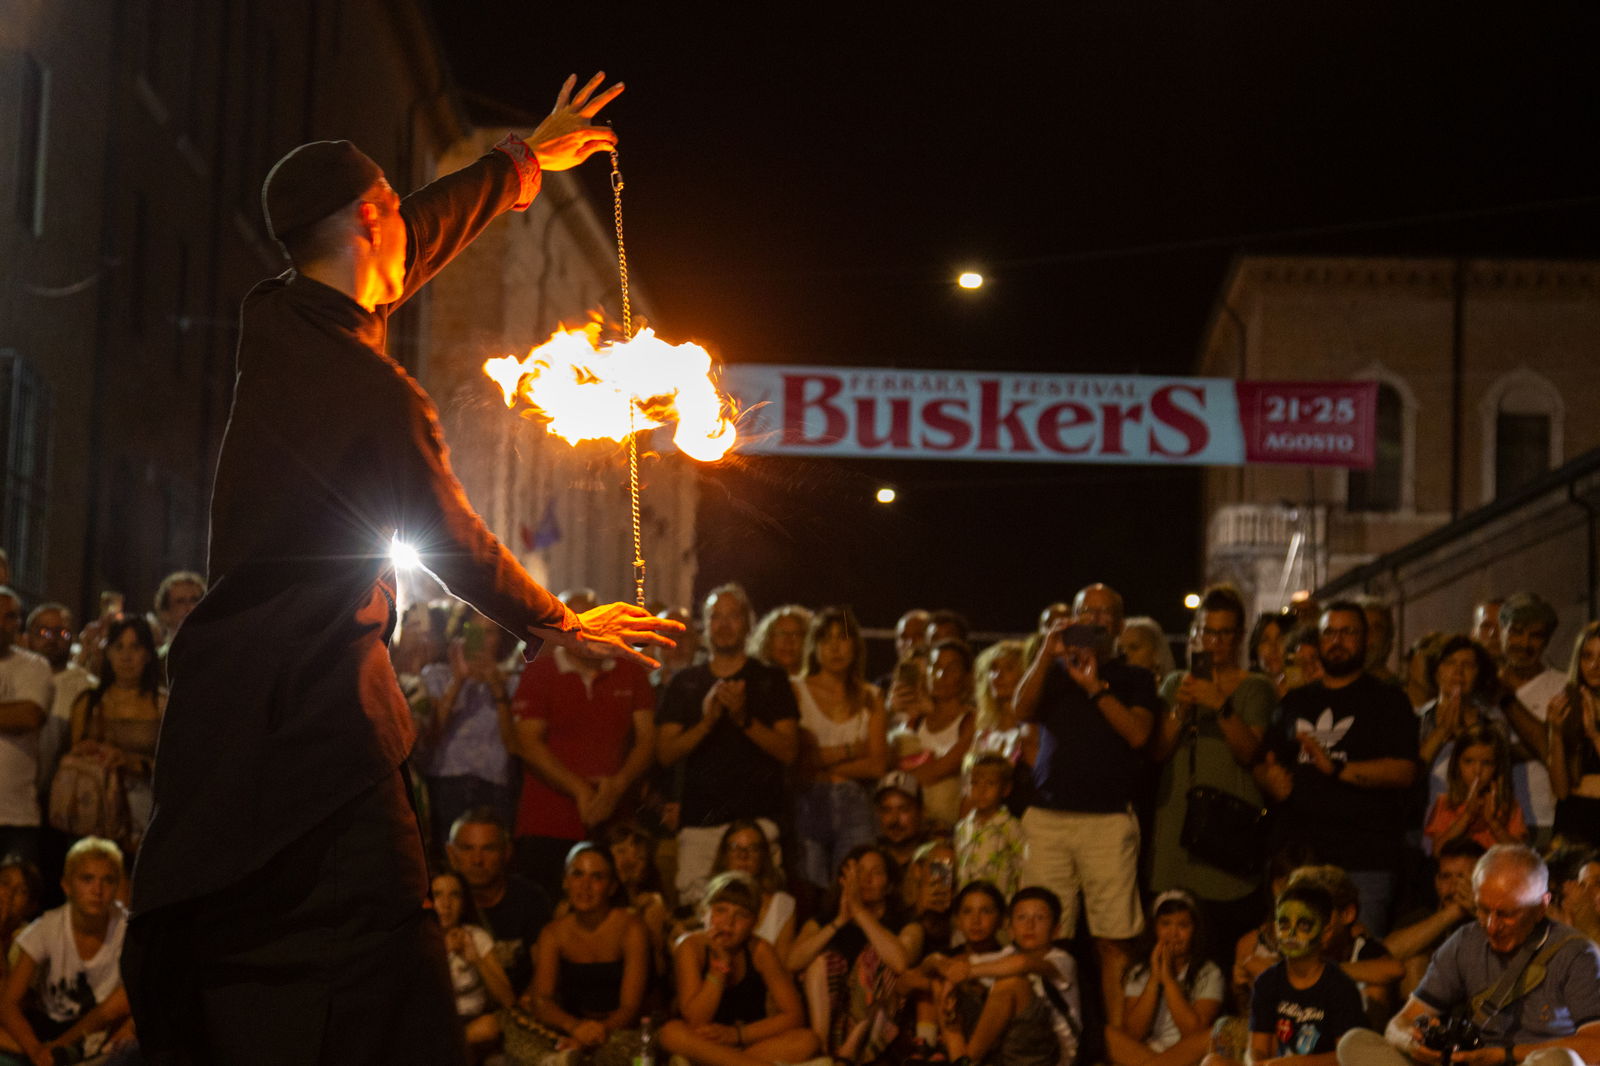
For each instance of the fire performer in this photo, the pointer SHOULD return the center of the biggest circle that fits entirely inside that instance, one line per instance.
(279, 895)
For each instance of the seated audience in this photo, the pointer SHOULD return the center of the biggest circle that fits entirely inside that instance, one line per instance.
(1024, 1008)
(852, 959)
(480, 984)
(843, 744)
(737, 1002)
(989, 842)
(744, 849)
(898, 803)
(1417, 935)
(1359, 955)
(979, 908)
(64, 991)
(780, 638)
(1543, 1012)
(21, 892)
(1257, 950)
(118, 720)
(593, 963)
(1574, 744)
(1478, 803)
(938, 732)
(634, 852)
(1174, 996)
(511, 908)
(928, 889)
(1300, 1007)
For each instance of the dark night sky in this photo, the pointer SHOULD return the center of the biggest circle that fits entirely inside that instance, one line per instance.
(804, 181)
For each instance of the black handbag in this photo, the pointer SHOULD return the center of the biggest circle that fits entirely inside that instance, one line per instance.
(1220, 829)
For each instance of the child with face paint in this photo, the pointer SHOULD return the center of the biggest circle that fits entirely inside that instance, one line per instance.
(1302, 1006)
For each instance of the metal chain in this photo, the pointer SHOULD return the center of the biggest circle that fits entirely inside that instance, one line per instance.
(627, 335)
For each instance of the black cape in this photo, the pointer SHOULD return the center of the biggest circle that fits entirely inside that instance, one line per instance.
(283, 703)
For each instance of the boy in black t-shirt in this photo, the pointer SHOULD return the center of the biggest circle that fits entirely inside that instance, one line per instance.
(1302, 1006)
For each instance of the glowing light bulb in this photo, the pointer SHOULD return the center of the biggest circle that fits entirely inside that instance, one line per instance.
(886, 495)
(1192, 600)
(970, 280)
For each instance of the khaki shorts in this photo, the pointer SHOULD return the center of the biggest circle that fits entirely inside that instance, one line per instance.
(1069, 851)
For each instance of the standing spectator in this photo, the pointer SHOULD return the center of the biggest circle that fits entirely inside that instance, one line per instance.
(178, 594)
(898, 803)
(511, 908)
(732, 723)
(939, 733)
(25, 696)
(1174, 996)
(780, 638)
(989, 841)
(120, 718)
(585, 732)
(683, 655)
(945, 624)
(1463, 676)
(1574, 753)
(1346, 757)
(1420, 685)
(1095, 715)
(1268, 644)
(1143, 643)
(844, 744)
(1380, 637)
(1478, 803)
(1211, 735)
(1526, 625)
(49, 634)
(1552, 1019)
(66, 984)
(1486, 626)
(1304, 664)
(904, 685)
(464, 753)
(999, 670)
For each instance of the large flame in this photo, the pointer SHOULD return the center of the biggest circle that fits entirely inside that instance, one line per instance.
(585, 390)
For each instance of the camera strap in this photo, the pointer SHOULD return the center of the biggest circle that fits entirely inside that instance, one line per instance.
(1525, 973)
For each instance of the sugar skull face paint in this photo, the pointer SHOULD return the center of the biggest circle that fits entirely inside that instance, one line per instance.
(1299, 930)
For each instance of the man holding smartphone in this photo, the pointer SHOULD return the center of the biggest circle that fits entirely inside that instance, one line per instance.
(1094, 714)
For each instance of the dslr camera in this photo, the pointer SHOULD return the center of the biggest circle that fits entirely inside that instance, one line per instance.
(1451, 1034)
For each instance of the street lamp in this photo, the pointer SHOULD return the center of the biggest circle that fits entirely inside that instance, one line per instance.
(970, 279)
(886, 495)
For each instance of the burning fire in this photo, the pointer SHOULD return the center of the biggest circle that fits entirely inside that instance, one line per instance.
(585, 390)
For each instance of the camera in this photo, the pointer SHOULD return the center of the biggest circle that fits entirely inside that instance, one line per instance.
(1451, 1034)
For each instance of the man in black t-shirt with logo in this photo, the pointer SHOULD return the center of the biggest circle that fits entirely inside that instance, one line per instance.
(1094, 714)
(1344, 758)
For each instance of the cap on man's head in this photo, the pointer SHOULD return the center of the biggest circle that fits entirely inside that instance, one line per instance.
(899, 781)
(314, 181)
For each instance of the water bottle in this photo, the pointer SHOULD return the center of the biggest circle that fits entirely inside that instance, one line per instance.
(647, 1044)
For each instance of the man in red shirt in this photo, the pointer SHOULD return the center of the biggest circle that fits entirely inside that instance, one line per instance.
(585, 730)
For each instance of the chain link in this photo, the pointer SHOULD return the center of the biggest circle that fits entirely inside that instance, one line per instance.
(627, 335)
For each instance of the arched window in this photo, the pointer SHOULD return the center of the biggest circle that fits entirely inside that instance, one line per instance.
(1522, 424)
(1380, 489)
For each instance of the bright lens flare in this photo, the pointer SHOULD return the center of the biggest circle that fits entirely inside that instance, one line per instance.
(404, 556)
(585, 391)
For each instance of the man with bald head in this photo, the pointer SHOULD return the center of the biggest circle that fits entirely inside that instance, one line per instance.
(1094, 713)
(1531, 985)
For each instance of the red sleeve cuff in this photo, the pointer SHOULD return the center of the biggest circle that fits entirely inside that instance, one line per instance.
(522, 157)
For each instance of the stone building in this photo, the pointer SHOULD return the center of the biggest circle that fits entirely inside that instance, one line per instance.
(1479, 365)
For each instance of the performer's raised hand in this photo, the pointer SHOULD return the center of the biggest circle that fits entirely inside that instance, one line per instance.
(567, 136)
(612, 629)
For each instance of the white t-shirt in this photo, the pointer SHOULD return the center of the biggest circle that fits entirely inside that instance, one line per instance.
(23, 676)
(1065, 984)
(68, 986)
(70, 683)
(1164, 1031)
(1532, 778)
(472, 997)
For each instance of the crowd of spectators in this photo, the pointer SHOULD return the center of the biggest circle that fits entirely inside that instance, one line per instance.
(1068, 845)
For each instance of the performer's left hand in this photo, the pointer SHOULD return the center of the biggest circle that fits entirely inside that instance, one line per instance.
(567, 137)
(612, 629)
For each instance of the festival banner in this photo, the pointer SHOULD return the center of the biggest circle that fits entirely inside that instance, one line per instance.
(882, 413)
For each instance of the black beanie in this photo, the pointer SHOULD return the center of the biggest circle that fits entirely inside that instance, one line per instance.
(314, 181)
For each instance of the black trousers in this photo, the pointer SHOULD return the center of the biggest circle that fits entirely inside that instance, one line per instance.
(325, 955)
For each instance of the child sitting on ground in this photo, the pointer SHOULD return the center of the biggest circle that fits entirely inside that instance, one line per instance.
(989, 840)
(978, 910)
(1023, 1009)
(1301, 1006)
(65, 987)
(1172, 999)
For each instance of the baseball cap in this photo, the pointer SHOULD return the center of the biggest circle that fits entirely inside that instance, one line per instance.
(899, 781)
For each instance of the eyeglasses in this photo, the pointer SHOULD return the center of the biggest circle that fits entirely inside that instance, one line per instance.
(45, 633)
